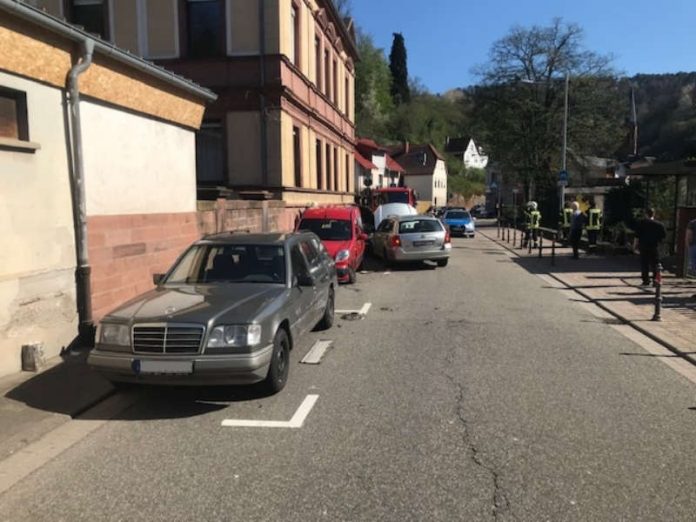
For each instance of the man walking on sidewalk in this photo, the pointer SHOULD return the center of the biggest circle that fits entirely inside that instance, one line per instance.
(577, 221)
(649, 234)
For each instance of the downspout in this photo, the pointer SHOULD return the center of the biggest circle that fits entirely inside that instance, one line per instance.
(263, 146)
(83, 270)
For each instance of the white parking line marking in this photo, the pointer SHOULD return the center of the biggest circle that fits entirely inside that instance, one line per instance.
(363, 311)
(316, 352)
(296, 422)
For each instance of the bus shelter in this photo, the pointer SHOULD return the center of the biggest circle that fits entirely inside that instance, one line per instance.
(683, 175)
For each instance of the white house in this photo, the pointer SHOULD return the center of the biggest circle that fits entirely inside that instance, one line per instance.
(466, 150)
(376, 163)
(425, 171)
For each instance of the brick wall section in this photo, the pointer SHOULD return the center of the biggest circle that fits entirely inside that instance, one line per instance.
(125, 251)
(237, 215)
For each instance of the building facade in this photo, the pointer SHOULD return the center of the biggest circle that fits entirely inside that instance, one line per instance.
(425, 171)
(283, 125)
(138, 130)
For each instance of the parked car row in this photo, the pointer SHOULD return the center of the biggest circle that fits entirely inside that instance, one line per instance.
(232, 306)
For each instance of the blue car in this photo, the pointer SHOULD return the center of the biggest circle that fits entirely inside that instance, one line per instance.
(459, 222)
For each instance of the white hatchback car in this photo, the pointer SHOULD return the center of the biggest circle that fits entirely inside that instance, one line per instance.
(393, 210)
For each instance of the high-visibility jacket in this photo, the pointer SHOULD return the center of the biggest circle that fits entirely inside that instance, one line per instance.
(594, 221)
(566, 217)
(533, 219)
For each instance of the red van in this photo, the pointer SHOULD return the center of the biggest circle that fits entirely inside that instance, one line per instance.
(341, 231)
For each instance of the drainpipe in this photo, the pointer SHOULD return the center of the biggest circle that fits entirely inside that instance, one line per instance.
(262, 93)
(83, 270)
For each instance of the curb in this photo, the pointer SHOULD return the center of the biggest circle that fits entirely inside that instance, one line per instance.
(684, 355)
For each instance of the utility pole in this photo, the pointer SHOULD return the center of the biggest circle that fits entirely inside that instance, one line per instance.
(562, 183)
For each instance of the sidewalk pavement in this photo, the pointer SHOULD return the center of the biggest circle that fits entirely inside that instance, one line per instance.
(613, 283)
(34, 404)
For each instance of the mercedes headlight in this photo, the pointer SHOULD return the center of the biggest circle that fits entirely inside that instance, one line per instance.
(114, 334)
(234, 336)
(342, 255)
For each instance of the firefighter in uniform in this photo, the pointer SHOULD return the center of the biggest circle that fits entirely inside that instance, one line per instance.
(566, 217)
(594, 225)
(532, 223)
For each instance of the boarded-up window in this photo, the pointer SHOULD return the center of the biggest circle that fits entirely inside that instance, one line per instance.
(320, 166)
(317, 60)
(297, 156)
(90, 14)
(329, 177)
(334, 86)
(210, 154)
(13, 115)
(295, 35)
(162, 29)
(337, 174)
(327, 73)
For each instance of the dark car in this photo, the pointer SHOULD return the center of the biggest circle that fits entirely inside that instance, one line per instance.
(228, 312)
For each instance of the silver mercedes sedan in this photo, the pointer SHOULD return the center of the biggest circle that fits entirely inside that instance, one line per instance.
(227, 312)
(412, 238)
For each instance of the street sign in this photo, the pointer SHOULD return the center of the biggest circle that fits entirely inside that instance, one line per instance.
(494, 185)
(563, 176)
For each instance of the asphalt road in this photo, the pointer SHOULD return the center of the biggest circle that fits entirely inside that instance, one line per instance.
(471, 392)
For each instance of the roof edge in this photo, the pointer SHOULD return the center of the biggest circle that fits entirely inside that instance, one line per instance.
(71, 32)
(344, 30)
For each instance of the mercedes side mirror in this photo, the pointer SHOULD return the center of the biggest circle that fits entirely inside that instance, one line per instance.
(304, 280)
(157, 279)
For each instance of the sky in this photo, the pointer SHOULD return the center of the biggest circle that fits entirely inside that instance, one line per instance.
(446, 38)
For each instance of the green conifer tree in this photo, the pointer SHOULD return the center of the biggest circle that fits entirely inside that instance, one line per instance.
(399, 71)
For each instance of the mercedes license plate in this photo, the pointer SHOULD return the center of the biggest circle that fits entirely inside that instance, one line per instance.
(167, 367)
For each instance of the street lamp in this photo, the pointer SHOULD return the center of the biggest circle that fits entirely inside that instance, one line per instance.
(563, 177)
(563, 181)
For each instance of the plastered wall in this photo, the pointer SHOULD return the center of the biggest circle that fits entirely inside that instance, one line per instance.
(37, 260)
(151, 164)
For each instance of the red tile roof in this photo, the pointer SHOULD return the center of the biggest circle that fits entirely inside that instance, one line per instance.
(393, 165)
(364, 162)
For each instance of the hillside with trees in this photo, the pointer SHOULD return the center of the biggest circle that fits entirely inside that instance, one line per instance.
(516, 110)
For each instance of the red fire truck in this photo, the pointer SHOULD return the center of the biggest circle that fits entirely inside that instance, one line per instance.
(375, 197)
